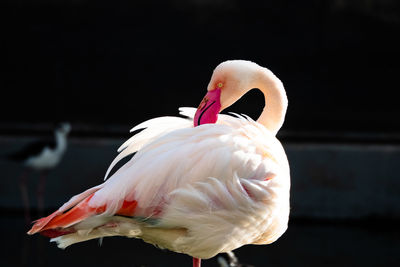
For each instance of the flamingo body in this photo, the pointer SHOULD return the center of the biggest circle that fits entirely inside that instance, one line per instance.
(195, 190)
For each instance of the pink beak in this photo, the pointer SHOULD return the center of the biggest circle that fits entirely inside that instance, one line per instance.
(208, 110)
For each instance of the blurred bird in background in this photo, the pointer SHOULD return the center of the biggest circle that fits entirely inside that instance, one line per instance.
(42, 156)
(200, 185)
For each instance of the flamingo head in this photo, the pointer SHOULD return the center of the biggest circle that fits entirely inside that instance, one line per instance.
(230, 80)
(210, 106)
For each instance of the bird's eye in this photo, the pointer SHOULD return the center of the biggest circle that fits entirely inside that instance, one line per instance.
(219, 85)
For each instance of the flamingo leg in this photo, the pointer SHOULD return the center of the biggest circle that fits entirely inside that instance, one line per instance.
(196, 262)
(25, 196)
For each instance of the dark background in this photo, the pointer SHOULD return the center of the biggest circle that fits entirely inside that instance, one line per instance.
(120, 62)
(105, 66)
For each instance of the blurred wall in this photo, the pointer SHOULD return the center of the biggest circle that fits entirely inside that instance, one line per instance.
(329, 181)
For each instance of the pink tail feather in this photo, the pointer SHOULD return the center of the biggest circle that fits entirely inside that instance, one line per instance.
(60, 223)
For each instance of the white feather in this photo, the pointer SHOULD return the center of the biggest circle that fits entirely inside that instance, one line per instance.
(187, 112)
(153, 129)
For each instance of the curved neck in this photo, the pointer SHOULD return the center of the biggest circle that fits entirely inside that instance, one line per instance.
(276, 100)
(240, 76)
(61, 141)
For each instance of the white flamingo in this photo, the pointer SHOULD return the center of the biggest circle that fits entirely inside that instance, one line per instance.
(195, 190)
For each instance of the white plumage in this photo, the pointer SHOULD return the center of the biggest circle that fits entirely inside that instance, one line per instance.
(199, 190)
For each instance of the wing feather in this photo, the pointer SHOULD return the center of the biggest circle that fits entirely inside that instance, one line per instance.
(187, 112)
(153, 129)
(172, 157)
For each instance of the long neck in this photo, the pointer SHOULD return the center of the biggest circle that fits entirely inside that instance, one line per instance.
(276, 100)
(61, 141)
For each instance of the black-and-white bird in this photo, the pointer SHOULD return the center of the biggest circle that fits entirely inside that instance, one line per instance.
(42, 156)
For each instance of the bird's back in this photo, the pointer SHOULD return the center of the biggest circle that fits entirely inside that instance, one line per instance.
(32, 150)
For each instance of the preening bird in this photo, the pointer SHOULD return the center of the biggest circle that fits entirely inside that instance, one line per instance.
(198, 185)
(42, 156)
